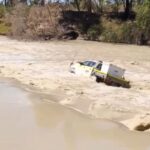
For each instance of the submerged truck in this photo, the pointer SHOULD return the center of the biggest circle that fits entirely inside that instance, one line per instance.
(110, 74)
(103, 71)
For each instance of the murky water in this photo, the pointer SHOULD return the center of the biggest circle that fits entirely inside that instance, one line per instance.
(30, 123)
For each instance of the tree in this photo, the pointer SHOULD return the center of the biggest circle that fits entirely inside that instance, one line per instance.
(77, 4)
(127, 6)
(143, 20)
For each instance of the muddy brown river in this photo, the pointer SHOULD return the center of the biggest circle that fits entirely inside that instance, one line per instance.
(28, 122)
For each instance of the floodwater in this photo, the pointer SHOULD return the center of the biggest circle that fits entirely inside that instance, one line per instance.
(28, 122)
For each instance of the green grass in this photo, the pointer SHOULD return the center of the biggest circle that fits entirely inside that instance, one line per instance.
(4, 29)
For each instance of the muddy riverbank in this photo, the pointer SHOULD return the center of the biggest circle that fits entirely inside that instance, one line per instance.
(44, 66)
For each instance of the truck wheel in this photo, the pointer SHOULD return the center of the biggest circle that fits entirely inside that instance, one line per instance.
(98, 79)
(117, 84)
(108, 82)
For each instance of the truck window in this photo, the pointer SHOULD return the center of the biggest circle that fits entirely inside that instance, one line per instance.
(89, 63)
(99, 66)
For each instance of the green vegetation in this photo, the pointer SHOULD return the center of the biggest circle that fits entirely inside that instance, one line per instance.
(143, 20)
(118, 21)
(4, 29)
(2, 11)
(94, 32)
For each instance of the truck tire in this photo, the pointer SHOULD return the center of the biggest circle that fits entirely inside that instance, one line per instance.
(109, 82)
(98, 79)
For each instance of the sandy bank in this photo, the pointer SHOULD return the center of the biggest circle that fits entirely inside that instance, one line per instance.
(44, 66)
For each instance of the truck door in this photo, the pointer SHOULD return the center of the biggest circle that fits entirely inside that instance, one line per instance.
(88, 67)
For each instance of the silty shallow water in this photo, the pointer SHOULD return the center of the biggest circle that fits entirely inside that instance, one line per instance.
(30, 123)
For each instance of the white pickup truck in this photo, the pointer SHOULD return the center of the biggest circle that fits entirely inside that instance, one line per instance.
(103, 71)
(84, 68)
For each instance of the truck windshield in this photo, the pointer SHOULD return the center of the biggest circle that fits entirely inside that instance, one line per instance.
(89, 63)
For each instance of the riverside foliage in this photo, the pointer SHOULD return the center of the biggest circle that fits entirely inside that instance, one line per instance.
(119, 21)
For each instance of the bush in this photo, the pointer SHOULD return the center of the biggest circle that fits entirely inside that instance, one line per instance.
(17, 20)
(4, 29)
(109, 35)
(43, 22)
(34, 22)
(143, 22)
(127, 33)
(2, 11)
(94, 32)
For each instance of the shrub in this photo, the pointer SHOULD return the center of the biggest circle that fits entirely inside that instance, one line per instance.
(94, 32)
(143, 22)
(109, 35)
(4, 29)
(2, 11)
(43, 22)
(127, 33)
(34, 22)
(17, 20)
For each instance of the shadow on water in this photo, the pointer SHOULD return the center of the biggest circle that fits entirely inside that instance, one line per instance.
(30, 123)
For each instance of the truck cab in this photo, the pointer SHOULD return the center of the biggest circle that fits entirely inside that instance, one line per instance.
(83, 68)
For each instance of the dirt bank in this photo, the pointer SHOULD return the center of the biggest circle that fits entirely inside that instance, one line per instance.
(44, 66)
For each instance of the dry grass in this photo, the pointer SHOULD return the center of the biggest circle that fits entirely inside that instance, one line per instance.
(44, 21)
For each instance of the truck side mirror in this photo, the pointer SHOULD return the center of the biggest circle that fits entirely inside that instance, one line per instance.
(81, 63)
